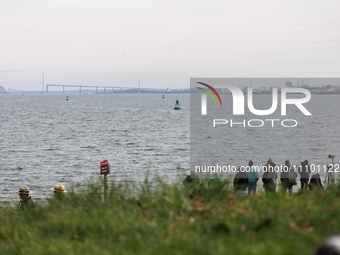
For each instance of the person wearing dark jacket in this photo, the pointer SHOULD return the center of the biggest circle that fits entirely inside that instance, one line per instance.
(26, 200)
(315, 183)
(240, 181)
(269, 177)
(191, 183)
(191, 179)
(304, 171)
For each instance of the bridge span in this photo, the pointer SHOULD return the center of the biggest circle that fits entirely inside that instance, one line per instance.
(96, 87)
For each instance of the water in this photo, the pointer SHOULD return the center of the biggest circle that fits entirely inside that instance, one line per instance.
(47, 140)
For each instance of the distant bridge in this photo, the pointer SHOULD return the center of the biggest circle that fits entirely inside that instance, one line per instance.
(14, 91)
(17, 91)
(100, 89)
(107, 89)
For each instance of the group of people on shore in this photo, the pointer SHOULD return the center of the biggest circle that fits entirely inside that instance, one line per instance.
(26, 199)
(246, 178)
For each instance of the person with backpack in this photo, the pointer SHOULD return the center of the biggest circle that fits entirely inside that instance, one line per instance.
(288, 178)
(253, 177)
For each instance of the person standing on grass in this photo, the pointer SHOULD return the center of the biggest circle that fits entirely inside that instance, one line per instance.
(191, 179)
(315, 183)
(191, 183)
(269, 177)
(304, 171)
(288, 178)
(240, 182)
(253, 177)
(215, 181)
(26, 200)
(59, 189)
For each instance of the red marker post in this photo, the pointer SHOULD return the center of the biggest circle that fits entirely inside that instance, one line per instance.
(105, 170)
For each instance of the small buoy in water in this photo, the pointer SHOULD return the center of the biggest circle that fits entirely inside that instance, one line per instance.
(163, 96)
(177, 105)
(66, 98)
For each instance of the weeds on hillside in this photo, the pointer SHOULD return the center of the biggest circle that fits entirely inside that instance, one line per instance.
(158, 218)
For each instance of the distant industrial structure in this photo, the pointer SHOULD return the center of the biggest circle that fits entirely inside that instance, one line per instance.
(2, 90)
(324, 89)
(289, 84)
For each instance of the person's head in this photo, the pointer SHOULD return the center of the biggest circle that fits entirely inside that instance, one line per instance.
(192, 172)
(251, 163)
(24, 192)
(59, 189)
(270, 160)
(216, 174)
(240, 169)
(287, 162)
(305, 162)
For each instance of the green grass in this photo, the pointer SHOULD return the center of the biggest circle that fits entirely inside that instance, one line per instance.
(168, 219)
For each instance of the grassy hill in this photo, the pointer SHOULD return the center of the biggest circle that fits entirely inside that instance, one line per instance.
(168, 219)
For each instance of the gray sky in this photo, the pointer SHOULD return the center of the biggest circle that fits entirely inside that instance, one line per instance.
(164, 43)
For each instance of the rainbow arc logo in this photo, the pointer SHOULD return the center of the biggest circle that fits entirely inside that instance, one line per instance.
(208, 92)
(238, 99)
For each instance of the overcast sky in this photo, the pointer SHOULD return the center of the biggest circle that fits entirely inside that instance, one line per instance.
(164, 43)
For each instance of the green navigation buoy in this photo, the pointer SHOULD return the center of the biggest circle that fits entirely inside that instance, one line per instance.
(163, 96)
(177, 105)
(66, 98)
